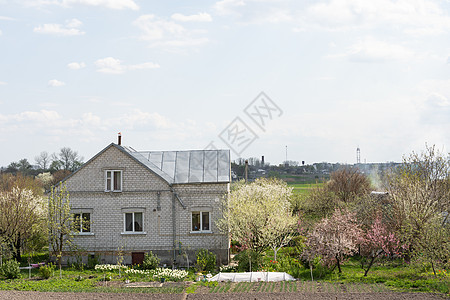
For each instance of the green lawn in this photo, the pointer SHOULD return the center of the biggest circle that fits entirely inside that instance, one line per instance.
(303, 188)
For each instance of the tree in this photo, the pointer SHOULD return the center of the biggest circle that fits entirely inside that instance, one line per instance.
(70, 159)
(67, 159)
(334, 238)
(378, 240)
(20, 214)
(419, 190)
(46, 180)
(258, 215)
(434, 243)
(43, 160)
(348, 184)
(59, 221)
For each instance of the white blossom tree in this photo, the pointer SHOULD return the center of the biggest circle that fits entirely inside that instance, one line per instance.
(258, 215)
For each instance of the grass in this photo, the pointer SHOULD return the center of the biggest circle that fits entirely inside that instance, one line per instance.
(303, 188)
(393, 275)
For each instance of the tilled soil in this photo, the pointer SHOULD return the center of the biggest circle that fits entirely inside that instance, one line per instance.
(300, 290)
(24, 295)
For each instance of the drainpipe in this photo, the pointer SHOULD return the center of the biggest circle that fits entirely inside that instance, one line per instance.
(174, 229)
(174, 222)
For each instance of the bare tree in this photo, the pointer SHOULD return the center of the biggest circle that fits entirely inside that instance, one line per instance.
(70, 159)
(43, 160)
(349, 183)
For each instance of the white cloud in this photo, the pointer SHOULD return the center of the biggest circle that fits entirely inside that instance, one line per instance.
(147, 65)
(112, 65)
(373, 50)
(407, 16)
(111, 4)
(200, 17)
(69, 29)
(76, 65)
(168, 34)
(138, 118)
(226, 7)
(55, 83)
(2, 83)
(3, 18)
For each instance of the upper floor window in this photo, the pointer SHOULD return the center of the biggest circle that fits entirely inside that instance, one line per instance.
(113, 181)
(82, 222)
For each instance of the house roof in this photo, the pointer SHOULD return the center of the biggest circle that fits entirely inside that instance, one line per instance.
(194, 166)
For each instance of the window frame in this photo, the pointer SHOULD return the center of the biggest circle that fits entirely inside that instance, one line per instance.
(133, 212)
(82, 212)
(110, 187)
(201, 230)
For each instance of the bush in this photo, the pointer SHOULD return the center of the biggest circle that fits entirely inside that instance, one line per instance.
(206, 261)
(150, 262)
(285, 263)
(46, 271)
(10, 269)
(244, 263)
(93, 261)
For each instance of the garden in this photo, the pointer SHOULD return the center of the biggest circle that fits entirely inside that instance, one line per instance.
(335, 237)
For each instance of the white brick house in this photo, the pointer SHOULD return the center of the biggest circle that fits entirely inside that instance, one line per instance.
(166, 202)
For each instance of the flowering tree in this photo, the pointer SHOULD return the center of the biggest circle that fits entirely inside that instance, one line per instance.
(334, 238)
(20, 214)
(258, 215)
(59, 221)
(419, 190)
(378, 240)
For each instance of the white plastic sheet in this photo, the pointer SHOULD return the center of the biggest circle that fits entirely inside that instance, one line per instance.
(253, 277)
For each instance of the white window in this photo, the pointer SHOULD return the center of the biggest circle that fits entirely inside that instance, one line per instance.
(82, 222)
(201, 221)
(133, 222)
(113, 181)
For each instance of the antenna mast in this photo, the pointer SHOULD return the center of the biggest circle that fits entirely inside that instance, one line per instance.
(358, 155)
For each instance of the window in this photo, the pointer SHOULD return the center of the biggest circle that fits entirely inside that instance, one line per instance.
(201, 221)
(82, 222)
(113, 181)
(134, 221)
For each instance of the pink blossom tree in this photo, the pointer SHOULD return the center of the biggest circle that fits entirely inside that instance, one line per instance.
(334, 238)
(378, 240)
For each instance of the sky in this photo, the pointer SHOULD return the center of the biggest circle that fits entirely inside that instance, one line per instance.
(298, 79)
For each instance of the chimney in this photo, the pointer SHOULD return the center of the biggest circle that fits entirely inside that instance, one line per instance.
(119, 139)
(246, 171)
(262, 160)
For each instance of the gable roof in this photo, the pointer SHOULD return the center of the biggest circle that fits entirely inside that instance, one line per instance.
(195, 166)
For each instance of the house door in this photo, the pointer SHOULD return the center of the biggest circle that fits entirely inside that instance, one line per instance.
(137, 258)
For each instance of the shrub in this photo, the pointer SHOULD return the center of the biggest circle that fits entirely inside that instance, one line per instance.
(206, 261)
(46, 271)
(92, 262)
(151, 261)
(243, 261)
(10, 269)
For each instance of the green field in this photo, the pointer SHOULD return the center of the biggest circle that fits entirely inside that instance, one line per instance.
(303, 188)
